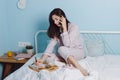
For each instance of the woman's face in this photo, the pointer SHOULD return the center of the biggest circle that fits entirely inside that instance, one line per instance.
(56, 20)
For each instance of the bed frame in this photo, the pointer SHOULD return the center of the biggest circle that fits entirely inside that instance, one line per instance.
(88, 34)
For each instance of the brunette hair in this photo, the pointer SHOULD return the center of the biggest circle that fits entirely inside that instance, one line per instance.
(53, 30)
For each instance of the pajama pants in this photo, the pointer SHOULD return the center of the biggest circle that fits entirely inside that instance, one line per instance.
(65, 52)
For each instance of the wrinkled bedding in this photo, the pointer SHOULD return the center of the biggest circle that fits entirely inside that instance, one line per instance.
(105, 67)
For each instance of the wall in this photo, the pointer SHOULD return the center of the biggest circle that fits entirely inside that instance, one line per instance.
(3, 30)
(89, 15)
(3, 27)
(20, 25)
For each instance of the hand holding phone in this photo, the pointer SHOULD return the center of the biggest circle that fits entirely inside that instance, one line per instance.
(61, 29)
(63, 24)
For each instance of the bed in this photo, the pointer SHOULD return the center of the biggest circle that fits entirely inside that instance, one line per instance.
(100, 61)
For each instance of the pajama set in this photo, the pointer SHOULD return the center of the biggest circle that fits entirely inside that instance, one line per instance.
(70, 44)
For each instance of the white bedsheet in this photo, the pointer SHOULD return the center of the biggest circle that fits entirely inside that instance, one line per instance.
(108, 66)
(105, 67)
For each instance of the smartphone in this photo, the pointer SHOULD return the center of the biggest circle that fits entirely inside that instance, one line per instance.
(61, 29)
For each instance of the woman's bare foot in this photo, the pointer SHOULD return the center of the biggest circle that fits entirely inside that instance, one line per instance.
(84, 72)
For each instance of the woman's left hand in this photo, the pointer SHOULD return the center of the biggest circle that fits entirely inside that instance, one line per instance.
(63, 22)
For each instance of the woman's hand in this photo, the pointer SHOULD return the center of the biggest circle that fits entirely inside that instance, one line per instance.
(63, 22)
(38, 62)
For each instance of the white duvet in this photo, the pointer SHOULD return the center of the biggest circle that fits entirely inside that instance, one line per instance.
(105, 67)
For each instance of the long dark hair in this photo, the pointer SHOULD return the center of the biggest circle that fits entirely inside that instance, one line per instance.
(53, 30)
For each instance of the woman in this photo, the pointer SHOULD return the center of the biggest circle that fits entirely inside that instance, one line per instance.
(66, 34)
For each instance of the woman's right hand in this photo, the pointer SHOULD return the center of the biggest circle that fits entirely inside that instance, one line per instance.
(38, 62)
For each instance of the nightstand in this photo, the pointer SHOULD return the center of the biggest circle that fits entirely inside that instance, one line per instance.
(9, 63)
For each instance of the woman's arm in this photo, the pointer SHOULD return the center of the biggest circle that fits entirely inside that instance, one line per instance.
(71, 36)
(50, 46)
(47, 52)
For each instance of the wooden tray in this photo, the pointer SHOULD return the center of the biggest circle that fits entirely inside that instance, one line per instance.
(46, 67)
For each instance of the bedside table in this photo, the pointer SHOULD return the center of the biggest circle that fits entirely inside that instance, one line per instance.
(8, 63)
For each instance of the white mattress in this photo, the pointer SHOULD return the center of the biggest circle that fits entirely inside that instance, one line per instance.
(107, 66)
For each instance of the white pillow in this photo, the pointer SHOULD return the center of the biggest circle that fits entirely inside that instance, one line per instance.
(95, 47)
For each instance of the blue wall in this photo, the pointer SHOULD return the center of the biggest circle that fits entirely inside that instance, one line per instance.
(3, 30)
(20, 25)
(3, 27)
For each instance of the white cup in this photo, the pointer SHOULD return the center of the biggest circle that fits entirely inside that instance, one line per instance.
(30, 51)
